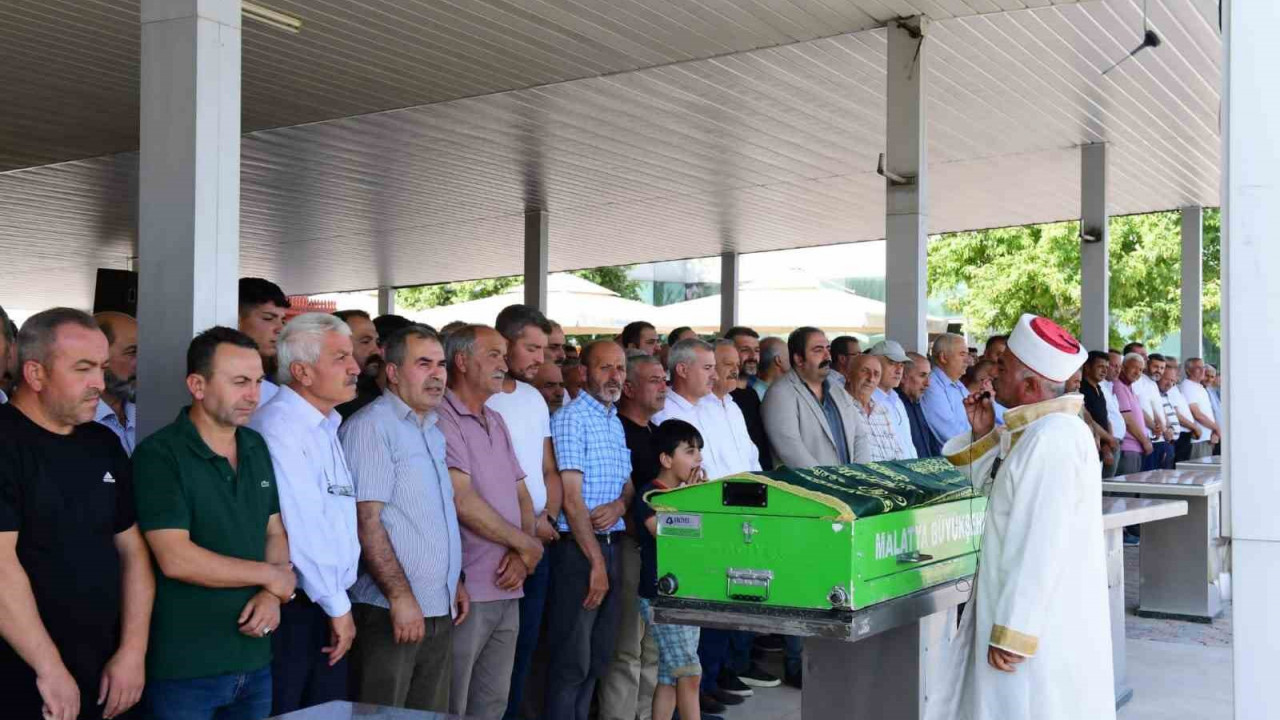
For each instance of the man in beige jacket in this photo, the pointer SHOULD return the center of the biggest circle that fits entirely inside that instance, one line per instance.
(810, 419)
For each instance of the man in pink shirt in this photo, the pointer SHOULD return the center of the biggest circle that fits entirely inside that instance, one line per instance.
(1136, 444)
(499, 549)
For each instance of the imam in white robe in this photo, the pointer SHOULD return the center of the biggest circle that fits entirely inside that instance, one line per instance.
(1041, 587)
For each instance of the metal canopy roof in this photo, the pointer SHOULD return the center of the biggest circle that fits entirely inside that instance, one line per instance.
(70, 67)
(757, 150)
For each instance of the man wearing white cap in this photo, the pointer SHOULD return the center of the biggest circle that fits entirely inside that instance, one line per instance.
(1035, 641)
(893, 360)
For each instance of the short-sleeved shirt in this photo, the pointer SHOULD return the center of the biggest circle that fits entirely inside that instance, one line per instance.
(644, 454)
(182, 484)
(1148, 395)
(525, 412)
(67, 497)
(1129, 405)
(1195, 394)
(1096, 403)
(588, 438)
(480, 446)
(398, 458)
(640, 512)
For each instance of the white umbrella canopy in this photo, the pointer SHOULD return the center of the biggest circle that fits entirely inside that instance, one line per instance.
(580, 306)
(779, 304)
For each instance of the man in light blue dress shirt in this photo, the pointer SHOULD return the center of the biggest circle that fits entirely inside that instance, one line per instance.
(408, 596)
(317, 372)
(116, 410)
(943, 400)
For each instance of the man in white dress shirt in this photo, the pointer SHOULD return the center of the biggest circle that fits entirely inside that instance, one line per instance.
(1197, 397)
(262, 312)
(317, 372)
(893, 363)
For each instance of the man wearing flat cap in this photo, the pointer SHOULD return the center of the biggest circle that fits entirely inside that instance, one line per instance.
(1035, 640)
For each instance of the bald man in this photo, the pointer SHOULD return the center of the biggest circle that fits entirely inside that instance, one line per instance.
(116, 409)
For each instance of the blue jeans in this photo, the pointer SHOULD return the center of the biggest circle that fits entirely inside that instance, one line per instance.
(238, 696)
(531, 605)
(739, 659)
(794, 653)
(713, 652)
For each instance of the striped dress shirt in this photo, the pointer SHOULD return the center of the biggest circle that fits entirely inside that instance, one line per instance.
(898, 418)
(398, 458)
(875, 419)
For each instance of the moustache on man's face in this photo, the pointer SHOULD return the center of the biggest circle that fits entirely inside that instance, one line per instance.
(824, 364)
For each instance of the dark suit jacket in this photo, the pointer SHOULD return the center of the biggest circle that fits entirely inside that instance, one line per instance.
(749, 402)
(922, 437)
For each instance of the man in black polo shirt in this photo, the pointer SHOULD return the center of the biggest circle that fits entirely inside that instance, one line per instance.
(75, 578)
(1095, 405)
(633, 672)
(206, 498)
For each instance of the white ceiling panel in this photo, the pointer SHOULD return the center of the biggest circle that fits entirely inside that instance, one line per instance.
(750, 151)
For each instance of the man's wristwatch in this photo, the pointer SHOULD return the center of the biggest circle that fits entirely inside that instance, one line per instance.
(462, 576)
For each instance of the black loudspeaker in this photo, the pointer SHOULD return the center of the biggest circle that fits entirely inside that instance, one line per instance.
(116, 290)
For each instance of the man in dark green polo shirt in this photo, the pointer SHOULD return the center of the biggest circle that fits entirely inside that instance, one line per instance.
(207, 504)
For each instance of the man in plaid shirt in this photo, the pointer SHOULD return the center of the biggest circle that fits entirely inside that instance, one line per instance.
(864, 378)
(595, 470)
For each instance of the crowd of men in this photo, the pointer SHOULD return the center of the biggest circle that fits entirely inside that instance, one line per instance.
(370, 509)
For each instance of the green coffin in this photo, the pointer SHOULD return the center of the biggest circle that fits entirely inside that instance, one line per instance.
(842, 537)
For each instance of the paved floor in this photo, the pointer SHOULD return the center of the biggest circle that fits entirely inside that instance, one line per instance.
(1178, 670)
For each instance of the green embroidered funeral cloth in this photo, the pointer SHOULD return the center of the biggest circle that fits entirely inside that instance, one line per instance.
(859, 491)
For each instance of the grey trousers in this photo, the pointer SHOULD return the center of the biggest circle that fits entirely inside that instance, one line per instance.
(484, 649)
(1201, 449)
(626, 690)
(1130, 462)
(384, 672)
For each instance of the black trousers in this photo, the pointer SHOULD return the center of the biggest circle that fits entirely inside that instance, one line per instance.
(300, 673)
(85, 659)
(1182, 448)
(582, 641)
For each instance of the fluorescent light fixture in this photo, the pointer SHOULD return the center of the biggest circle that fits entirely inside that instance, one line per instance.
(274, 18)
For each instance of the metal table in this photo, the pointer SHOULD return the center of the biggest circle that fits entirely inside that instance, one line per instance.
(1224, 505)
(1178, 557)
(342, 710)
(871, 664)
(1117, 514)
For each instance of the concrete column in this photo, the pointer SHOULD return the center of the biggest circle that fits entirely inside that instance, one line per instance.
(1192, 282)
(188, 191)
(1095, 274)
(386, 300)
(728, 290)
(535, 259)
(906, 199)
(1251, 323)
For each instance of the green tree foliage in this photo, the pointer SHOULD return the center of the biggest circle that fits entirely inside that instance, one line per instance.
(993, 276)
(428, 296)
